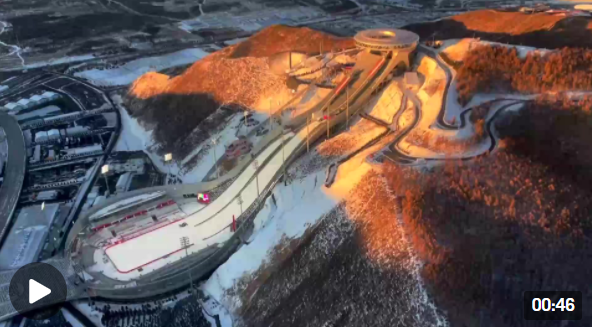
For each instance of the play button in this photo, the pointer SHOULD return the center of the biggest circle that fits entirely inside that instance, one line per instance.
(37, 290)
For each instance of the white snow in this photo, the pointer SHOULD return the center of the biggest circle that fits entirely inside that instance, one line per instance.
(3, 88)
(201, 169)
(235, 41)
(125, 204)
(142, 250)
(130, 71)
(133, 136)
(52, 62)
(89, 312)
(299, 205)
(211, 307)
(71, 319)
(288, 220)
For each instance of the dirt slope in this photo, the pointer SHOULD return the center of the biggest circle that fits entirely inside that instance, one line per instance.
(539, 30)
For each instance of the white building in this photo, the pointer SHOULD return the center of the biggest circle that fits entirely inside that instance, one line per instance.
(53, 134)
(34, 100)
(41, 137)
(76, 130)
(123, 182)
(36, 154)
(136, 165)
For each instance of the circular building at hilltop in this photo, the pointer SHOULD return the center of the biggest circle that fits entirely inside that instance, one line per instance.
(387, 39)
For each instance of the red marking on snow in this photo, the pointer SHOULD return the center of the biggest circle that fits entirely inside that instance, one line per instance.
(137, 214)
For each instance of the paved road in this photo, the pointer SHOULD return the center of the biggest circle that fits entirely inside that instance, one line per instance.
(434, 55)
(14, 173)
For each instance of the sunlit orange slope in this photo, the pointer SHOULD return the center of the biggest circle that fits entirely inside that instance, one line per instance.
(239, 74)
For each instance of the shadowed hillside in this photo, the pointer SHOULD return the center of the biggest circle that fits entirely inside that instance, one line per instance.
(515, 220)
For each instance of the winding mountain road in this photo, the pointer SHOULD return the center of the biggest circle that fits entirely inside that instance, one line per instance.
(395, 154)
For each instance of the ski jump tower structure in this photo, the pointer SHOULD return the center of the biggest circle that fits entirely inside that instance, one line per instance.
(383, 40)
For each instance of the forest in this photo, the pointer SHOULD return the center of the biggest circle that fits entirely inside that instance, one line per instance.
(499, 69)
(517, 219)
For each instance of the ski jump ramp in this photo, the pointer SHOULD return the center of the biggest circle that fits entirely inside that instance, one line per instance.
(212, 225)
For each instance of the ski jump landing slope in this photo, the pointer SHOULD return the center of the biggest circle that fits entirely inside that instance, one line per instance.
(212, 225)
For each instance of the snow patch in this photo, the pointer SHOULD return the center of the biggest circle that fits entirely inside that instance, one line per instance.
(133, 136)
(130, 71)
(288, 219)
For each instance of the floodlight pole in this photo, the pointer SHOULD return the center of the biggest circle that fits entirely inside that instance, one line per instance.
(307, 134)
(282, 136)
(215, 158)
(256, 166)
(239, 199)
(185, 244)
(328, 117)
(167, 159)
(283, 152)
(347, 107)
(270, 117)
(104, 171)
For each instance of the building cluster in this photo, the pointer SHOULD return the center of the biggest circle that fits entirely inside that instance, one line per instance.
(65, 131)
(35, 100)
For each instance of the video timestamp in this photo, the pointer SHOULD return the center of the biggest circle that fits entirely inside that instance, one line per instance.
(552, 305)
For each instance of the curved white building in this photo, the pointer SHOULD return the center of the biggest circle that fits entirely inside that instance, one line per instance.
(386, 39)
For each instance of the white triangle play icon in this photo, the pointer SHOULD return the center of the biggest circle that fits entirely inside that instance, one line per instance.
(37, 291)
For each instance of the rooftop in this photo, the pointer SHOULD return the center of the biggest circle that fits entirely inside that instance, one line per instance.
(386, 38)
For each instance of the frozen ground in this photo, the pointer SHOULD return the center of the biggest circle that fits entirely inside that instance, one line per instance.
(287, 219)
(299, 206)
(130, 71)
(133, 136)
(314, 275)
(251, 20)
